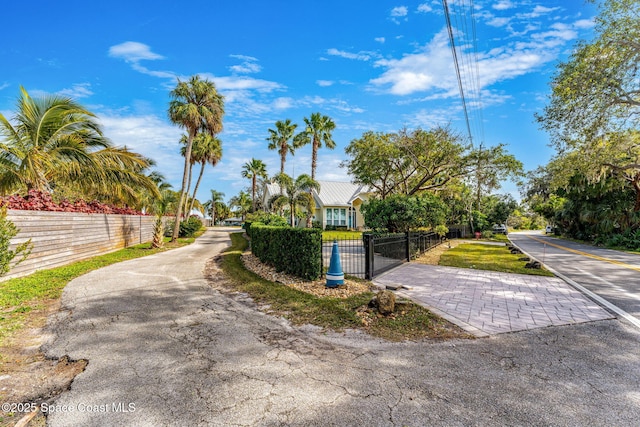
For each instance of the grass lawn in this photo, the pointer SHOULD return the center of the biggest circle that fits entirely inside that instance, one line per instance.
(23, 300)
(488, 257)
(329, 236)
(411, 322)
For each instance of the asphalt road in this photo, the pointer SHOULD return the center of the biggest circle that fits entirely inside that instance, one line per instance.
(167, 347)
(613, 275)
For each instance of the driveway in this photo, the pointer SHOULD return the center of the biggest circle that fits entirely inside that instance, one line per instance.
(166, 348)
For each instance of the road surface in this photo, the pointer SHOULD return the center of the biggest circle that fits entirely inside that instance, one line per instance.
(612, 275)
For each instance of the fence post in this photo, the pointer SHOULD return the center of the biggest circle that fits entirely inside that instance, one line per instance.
(407, 236)
(368, 256)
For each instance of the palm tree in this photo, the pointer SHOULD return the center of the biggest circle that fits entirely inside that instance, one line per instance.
(195, 106)
(243, 202)
(296, 193)
(279, 139)
(318, 130)
(53, 142)
(253, 170)
(216, 197)
(206, 149)
(162, 206)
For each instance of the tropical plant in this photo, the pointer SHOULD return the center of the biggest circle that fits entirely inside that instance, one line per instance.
(253, 170)
(55, 144)
(281, 139)
(195, 106)
(296, 194)
(8, 230)
(217, 197)
(206, 150)
(317, 131)
(243, 202)
(161, 208)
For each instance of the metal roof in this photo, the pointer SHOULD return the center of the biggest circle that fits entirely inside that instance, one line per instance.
(331, 193)
(338, 193)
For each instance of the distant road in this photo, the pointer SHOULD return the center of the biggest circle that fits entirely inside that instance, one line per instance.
(612, 275)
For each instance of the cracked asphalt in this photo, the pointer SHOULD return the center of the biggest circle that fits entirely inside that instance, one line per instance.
(167, 348)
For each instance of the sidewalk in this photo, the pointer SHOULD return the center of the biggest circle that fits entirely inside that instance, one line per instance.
(487, 303)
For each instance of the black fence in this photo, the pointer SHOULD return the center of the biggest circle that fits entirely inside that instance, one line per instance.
(376, 253)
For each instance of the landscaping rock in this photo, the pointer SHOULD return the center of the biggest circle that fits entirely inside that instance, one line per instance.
(386, 302)
(533, 264)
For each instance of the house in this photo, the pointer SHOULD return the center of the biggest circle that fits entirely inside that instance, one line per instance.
(337, 203)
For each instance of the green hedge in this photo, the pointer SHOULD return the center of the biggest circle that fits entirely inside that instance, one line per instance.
(296, 251)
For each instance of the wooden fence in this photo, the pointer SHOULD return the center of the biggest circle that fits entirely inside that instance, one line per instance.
(60, 238)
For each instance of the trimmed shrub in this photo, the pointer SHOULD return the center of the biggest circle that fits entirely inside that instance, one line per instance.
(296, 251)
(264, 218)
(189, 227)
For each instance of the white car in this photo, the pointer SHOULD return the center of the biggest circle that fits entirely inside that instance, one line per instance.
(548, 229)
(500, 228)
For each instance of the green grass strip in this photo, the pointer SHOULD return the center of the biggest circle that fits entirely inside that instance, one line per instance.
(488, 257)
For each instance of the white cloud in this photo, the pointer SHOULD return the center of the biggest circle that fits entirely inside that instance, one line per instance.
(233, 83)
(503, 5)
(283, 103)
(133, 52)
(537, 12)
(498, 22)
(399, 11)
(430, 70)
(80, 90)
(360, 56)
(4, 86)
(325, 83)
(424, 8)
(418, 72)
(380, 39)
(249, 65)
(150, 136)
(584, 24)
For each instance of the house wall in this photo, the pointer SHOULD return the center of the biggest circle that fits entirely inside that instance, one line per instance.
(61, 238)
(359, 218)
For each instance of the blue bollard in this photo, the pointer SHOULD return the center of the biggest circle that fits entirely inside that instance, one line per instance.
(335, 276)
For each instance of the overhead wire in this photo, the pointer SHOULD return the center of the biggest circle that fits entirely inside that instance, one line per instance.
(466, 65)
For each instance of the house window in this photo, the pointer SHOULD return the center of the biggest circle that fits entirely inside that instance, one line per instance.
(336, 216)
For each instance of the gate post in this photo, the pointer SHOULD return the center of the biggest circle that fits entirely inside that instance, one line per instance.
(368, 256)
(407, 235)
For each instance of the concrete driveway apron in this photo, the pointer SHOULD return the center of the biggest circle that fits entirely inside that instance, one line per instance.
(487, 302)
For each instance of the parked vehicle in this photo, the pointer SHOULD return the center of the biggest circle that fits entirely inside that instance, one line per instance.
(548, 229)
(500, 228)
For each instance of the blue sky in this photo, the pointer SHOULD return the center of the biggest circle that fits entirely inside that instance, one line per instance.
(368, 65)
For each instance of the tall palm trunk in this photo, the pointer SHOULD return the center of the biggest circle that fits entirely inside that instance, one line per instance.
(195, 190)
(183, 191)
(314, 157)
(253, 192)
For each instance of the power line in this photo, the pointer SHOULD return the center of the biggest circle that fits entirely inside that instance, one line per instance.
(466, 65)
(456, 65)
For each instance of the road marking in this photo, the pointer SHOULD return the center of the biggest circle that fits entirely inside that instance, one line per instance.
(576, 251)
(597, 298)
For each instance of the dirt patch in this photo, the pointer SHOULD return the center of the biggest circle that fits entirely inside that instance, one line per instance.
(27, 376)
(432, 257)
